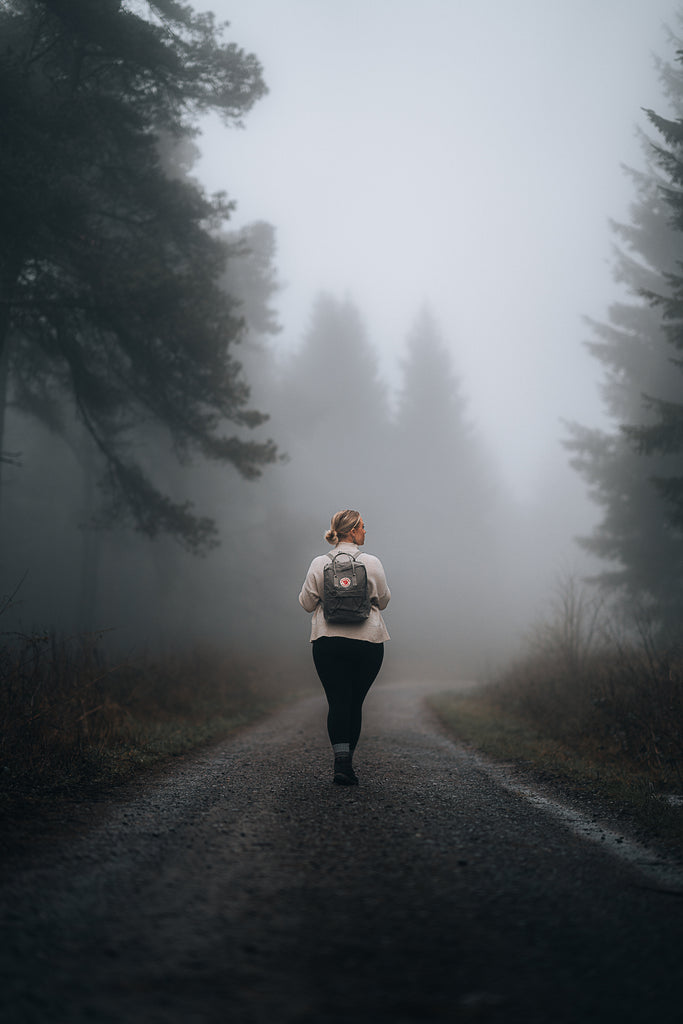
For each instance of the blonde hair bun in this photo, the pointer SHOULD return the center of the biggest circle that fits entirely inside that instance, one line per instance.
(342, 524)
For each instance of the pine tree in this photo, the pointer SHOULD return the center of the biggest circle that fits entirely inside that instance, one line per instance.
(111, 301)
(332, 411)
(665, 435)
(446, 506)
(332, 387)
(634, 469)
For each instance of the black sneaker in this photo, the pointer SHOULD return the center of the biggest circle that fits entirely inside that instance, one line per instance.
(344, 774)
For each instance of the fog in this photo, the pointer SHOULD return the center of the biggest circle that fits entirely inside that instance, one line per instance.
(438, 178)
(460, 153)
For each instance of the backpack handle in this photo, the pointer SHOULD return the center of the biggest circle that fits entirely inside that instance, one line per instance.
(337, 571)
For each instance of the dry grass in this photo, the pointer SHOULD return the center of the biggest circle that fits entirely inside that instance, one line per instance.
(618, 708)
(74, 722)
(598, 716)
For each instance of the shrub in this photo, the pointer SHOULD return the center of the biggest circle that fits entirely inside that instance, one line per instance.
(73, 718)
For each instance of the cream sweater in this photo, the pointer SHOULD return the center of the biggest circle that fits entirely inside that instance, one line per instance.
(311, 599)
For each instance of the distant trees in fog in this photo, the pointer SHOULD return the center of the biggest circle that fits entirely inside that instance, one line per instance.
(415, 467)
(635, 471)
(123, 296)
(445, 514)
(115, 324)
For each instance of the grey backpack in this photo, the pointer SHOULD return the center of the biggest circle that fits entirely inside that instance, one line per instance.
(345, 595)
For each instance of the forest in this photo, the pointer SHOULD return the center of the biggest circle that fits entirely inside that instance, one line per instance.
(168, 470)
(145, 498)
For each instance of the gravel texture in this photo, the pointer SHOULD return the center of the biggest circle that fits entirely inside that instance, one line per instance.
(244, 887)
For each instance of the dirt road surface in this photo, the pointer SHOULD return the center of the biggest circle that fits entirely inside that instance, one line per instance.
(243, 888)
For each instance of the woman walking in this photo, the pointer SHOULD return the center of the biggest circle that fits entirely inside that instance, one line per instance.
(347, 655)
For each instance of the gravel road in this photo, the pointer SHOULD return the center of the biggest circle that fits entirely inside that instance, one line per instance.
(243, 887)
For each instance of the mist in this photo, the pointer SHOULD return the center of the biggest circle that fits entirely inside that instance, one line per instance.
(426, 195)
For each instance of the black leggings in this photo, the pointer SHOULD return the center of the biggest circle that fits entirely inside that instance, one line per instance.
(347, 669)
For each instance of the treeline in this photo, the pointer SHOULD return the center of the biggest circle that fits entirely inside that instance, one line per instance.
(464, 562)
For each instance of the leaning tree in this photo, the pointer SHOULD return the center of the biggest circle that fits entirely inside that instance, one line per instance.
(113, 310)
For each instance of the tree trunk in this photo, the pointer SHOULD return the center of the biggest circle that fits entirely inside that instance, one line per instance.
(91, 547)
(6, 289)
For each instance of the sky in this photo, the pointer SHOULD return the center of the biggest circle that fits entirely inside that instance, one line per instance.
(464, 154)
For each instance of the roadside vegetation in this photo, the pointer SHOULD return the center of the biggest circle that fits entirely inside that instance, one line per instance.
(589, 711)
(76, 722)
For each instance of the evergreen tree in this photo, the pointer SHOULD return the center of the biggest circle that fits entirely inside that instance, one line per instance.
(251, 516)
(110, 277)
(634, 470)
(665, 435)
(448, 505)
(431, 411)
(332, 391)
(330, 413)
(333, 418)
(251, 276)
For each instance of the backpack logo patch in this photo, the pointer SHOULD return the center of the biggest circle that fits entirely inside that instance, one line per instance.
(345, 582)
